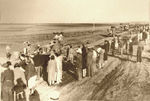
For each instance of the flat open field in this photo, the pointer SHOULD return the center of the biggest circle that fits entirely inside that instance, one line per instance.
(15, 34)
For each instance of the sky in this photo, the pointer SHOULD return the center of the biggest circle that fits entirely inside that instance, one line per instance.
(74, 11)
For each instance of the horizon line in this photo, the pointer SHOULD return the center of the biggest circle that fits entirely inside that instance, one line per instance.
(79, 22)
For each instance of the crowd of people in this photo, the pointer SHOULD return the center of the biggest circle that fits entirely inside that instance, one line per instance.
(21, 70)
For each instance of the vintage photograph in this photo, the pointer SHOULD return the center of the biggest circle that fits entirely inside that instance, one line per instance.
(75, 50)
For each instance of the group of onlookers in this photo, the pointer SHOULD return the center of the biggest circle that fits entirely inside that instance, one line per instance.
(19, 75)
(22, 72)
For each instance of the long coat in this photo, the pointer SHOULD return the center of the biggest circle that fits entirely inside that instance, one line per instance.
(94, 58)
(139, 52)
(7, 81)
(59, 60)
(131, 48)
(101, 57)
(79, 66)
(84, 57)
(89, 64)
(106, 48)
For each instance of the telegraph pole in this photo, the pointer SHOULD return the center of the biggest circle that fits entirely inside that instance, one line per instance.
(94, 27)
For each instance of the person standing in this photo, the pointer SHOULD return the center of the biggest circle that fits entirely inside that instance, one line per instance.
(84, 60)
(106, 48)
(147, 36)
(30, 75)
(67, 51)
(71, 55)
(19, 73)
(121, 47)
(139, 35)
(130, 49)
(100, 57)
(7, 81)
(140, 49)
(59, 60)
(89, 63)
(27, 49)
(79, 65)
(94, 65)
(113, 47)
(127, 46)
(8, 54)
(52, 69)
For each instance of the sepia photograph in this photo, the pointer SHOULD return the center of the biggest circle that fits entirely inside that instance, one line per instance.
(75, 50)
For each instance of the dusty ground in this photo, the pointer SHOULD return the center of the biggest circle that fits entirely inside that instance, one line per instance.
(119, 80)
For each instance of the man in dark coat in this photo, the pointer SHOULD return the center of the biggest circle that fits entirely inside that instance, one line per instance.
(106, 48)
(7, 81)
(113, 47)
(130, 49)
(139, 51)
(84, 57)
(42, 60)
(79, 65)
(89, 63)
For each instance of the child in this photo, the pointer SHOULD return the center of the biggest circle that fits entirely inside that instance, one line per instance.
(19, 90)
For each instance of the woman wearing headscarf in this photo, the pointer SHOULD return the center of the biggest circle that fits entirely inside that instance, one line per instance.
(7, 81)
(52, 69)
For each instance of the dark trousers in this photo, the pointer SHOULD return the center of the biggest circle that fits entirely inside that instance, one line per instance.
(139, 57)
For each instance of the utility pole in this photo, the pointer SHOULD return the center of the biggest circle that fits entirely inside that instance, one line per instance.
(94, 27)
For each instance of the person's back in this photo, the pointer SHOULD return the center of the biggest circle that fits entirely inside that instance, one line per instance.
(31, 70)
(79, 66)
(19, 73)
(8, 76)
